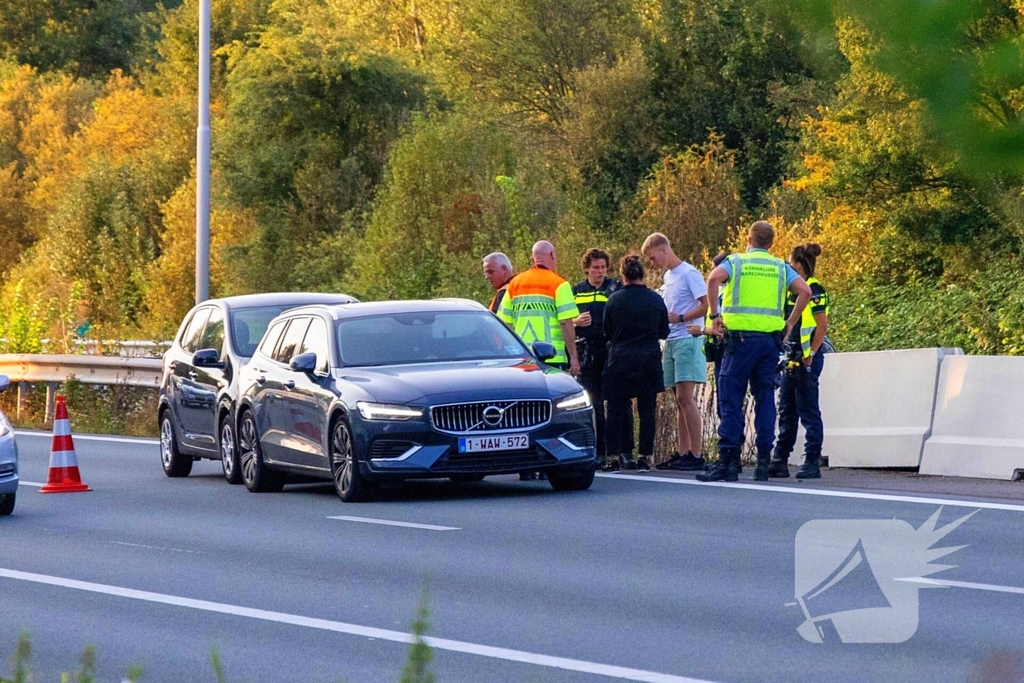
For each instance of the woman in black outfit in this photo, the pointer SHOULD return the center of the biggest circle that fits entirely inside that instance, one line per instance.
(635, 318)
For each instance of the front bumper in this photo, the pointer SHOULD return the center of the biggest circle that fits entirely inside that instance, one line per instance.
(414, 449)
(8, 465)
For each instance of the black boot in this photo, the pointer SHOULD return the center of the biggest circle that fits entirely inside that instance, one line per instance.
(811, 468)
(761, 471)
(725, 469)
(778, 469)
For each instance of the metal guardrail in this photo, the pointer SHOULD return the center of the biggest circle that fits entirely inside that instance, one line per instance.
(25, 368)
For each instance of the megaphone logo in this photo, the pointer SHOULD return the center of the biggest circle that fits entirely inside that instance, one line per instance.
(851, 577)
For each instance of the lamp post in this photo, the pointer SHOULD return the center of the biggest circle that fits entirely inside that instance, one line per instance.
(203, 159)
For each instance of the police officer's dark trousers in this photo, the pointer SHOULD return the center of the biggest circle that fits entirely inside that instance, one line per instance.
(751, 359)
(798, 403)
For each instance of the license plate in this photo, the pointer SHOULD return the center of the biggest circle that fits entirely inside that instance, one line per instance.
(505, 442)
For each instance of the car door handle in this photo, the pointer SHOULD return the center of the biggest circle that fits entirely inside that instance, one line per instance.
(261, 379)
(290, 384)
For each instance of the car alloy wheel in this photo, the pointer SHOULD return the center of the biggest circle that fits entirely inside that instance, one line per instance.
(247, 454)
(228, 453)
(349, 482)
(174, 463)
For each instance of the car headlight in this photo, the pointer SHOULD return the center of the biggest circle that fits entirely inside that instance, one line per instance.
(575, 401)
(387, 411)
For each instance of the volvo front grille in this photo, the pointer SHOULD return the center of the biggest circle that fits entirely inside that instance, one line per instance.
(491, 416)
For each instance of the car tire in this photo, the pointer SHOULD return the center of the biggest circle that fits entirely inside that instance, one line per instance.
(7, 504)
(174, 463)
(571, 480)
(229, 452)
(466, 478)
(349, 483)
(255, 474)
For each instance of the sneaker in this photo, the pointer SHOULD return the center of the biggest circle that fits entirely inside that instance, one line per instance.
(666, 465)
(642, 465)
(612, 465)
(627, 462)
(687, 463)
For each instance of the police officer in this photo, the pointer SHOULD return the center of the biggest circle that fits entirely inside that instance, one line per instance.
(591, 344)
(752, 320)
(798, 397)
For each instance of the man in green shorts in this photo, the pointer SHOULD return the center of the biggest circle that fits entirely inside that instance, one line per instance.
(685, 366)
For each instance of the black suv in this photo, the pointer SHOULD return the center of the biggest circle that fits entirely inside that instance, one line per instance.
(200, 376)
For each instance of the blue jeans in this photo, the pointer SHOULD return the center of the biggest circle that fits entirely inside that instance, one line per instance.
(798, 402)
(751, 358)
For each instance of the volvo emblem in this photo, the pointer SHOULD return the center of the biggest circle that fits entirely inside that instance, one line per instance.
(492, 416)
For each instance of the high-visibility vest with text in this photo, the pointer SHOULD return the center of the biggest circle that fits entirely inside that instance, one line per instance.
(754, 298)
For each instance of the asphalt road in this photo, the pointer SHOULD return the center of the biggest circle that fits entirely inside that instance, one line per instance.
(636, 579)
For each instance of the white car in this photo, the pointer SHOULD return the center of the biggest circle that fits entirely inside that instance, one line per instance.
(8, 460)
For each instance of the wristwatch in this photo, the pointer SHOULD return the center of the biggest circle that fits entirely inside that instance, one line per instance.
(716, 315)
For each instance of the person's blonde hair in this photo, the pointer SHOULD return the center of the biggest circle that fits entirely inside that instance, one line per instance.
(654, 240)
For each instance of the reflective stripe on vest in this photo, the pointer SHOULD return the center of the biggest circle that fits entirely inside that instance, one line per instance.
(755, 296)
(807, 322)
(595, 297)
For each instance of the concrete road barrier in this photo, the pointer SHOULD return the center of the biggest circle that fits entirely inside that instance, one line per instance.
(877, 406)
(978, 430)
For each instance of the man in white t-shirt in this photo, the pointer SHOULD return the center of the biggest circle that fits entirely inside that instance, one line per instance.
(685, 366)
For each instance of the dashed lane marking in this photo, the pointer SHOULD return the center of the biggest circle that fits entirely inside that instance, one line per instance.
(564, 663)
(821, 492)
(390, 522)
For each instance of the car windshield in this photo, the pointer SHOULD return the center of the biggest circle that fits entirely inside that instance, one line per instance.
(403, 338)
(249, 324)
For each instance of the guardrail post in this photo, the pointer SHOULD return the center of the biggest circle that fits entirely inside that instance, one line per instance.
(51, 389)
(22, 391)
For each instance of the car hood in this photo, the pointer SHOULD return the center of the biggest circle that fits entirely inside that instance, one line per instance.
(434, 383)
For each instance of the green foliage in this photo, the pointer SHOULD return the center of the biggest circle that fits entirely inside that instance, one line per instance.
(88, 38)
(22, 324)
(86, 672)
(417, 668)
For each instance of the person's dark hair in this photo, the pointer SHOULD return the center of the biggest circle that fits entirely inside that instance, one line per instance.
(595, 254)
(631, 268)
(807, 256)
(719, 257)
(762, 234)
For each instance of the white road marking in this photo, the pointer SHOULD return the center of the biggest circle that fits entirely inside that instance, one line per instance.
(34, 484)
(608, 670)
(821, 492)
(965, 584)
(389, 522)
(95, 437)
(155, 547)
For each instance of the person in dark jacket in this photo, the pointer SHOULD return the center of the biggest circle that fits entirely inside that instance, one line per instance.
(591, 345)
(635, 319)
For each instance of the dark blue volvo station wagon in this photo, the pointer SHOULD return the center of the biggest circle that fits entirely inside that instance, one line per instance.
(370, 393)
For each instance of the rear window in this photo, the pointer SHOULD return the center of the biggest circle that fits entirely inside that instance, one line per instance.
(248, 326)
(192, 335)
(270, 340)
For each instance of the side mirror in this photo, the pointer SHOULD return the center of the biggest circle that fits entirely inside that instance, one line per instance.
(4, 383)
(304, 362)
(207, 358)
(544, 351)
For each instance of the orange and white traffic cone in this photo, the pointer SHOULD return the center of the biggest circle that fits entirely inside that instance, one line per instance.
(64, 476)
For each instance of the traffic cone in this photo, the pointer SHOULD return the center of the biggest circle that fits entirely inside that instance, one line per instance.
(64, 476)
